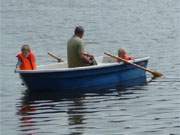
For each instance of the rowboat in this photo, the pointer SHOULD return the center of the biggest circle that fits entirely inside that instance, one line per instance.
(106, 74)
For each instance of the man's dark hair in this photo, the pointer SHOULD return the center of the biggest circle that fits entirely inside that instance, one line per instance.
(79, 30)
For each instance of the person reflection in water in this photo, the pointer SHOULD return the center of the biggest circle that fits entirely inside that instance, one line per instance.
(27, 121)
(30, 109)
(76, 115)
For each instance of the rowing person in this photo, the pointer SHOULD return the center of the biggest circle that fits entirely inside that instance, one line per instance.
(123, 54)
(77, 57)
(26, 59)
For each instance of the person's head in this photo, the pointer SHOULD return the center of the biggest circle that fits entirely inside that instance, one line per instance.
(121, 52)
(25, 49)
(79, 31)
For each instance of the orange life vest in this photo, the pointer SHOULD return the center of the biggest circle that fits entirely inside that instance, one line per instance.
(27, 63)
(126, 57)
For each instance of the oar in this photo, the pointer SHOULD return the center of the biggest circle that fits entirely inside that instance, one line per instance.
(154, 73)
(55, 57)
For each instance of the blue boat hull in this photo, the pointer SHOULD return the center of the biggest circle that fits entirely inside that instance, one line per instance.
(90, 79)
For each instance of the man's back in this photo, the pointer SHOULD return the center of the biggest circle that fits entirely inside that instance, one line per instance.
(74, 49)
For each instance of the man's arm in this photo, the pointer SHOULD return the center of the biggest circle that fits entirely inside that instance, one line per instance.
(86, 57)
(82, 54)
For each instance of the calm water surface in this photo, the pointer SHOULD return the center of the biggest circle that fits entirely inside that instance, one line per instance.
(143, 27)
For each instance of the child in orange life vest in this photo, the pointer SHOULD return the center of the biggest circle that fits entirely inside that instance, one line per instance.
(123, 54)
(26, 59)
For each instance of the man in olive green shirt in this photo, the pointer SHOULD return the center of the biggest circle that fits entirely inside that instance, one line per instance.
(77, 57)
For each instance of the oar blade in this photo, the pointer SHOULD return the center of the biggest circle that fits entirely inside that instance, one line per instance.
(156, 74)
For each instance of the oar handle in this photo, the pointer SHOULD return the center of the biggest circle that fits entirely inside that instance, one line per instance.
(55, 57)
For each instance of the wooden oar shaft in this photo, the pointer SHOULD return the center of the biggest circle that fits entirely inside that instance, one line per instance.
(156, 74)
(55, 57)
(128, 62)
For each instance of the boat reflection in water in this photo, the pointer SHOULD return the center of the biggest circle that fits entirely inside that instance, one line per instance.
(54, 112)
(39, 110)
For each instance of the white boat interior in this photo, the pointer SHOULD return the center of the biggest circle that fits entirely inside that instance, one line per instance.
(102, 61)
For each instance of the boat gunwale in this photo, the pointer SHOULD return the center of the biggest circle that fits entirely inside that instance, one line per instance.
(102, 65)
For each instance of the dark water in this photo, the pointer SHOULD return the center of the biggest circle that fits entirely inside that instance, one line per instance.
(143, 27)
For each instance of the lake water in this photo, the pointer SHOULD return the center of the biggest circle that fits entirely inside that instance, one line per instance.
(143, 27)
